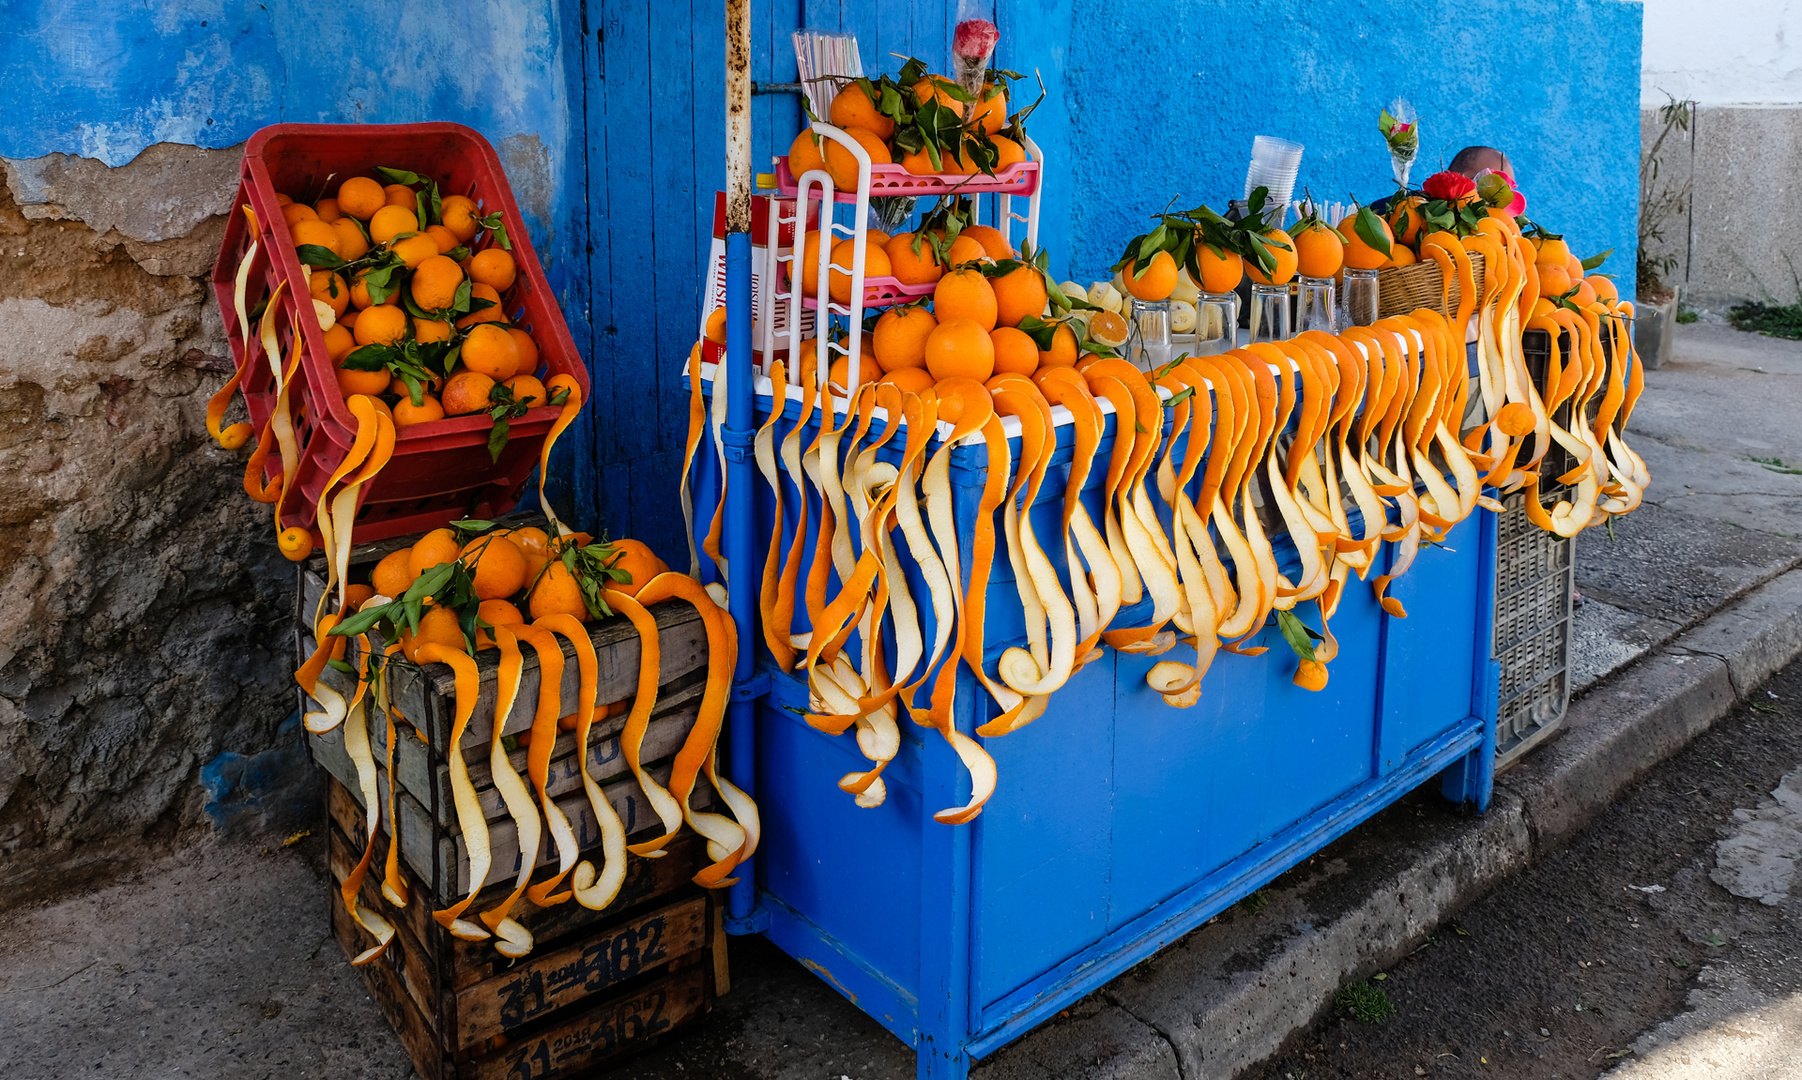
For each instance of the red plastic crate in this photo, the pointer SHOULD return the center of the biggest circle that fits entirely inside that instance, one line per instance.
(1020, 178)
(440, 471)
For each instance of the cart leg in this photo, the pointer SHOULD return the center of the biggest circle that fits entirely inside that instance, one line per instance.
(934, 1062)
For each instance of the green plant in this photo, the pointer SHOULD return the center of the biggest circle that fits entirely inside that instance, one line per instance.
(1658, 204)
(1686, 316)
(1771, 320)
(1363, 1002)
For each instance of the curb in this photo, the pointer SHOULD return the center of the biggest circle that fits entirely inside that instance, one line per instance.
(1206, 1010)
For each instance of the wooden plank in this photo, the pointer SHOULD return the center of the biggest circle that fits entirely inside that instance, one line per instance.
(411, 963)
(682, 650)
(472, 961)
(384, 985)
(610, 1030)
(543, 982)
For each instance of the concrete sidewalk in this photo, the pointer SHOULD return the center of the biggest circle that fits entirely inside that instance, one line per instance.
(217, 963)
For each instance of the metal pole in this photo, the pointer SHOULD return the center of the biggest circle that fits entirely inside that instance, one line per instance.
(741, 902)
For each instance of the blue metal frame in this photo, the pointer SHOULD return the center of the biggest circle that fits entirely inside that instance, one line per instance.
(940, 934)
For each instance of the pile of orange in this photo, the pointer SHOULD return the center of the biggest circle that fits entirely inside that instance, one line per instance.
(440, 269)
(855, 111)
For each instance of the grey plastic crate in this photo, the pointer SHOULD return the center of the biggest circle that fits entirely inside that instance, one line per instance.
(1534, 582)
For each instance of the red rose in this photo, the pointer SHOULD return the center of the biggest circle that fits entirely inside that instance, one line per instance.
(1448, 186)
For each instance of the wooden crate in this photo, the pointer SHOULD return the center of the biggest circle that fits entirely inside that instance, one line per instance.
(598, 987)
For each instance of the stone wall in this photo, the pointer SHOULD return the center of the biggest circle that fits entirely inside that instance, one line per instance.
(145, 630)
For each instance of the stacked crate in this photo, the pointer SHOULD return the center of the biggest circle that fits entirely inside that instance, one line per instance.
(598, 985)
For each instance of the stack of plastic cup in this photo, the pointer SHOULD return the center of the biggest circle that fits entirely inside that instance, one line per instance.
(1275, 163)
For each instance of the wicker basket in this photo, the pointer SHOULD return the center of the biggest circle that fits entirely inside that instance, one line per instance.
(1402, 289)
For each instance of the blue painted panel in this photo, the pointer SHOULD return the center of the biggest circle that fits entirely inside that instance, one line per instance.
(1431, 675)
(1047, 833)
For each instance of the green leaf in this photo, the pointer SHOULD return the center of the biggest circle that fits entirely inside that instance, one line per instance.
(492, 222)
(371, 358)
(319, 256)
(436, 203)
(1180, 396)
(460, 302)
(1043, 332)
(1370, 228)
(401, 176)
(473, 525)
(559, 396)
(339, 665)
(497, 438)
(1596, 260)
(1296, 633)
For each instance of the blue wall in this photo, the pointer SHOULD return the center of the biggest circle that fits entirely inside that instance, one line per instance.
(609, 117)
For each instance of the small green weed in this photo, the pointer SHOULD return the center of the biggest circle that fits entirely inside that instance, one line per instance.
(1686, 316)
(1255, 903)
(1777, 465)
(1363, 1002)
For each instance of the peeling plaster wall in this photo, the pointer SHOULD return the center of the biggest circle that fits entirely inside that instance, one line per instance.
(146, 649)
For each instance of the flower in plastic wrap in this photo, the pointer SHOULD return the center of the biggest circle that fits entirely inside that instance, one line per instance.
(1401, 130)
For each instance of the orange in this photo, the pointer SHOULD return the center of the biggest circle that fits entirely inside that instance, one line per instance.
(327, 210)
(1220, 273)
(805, 154)
(557, 594)
(496, 613)
(359, 292)
(715, 330)
(1498, 214)
(282, 200)
(495, 268)
(381, 325)
(393, 575)
(430, 330)
(842, 166)
(1553, 251)
(900, 338)
(1574, 267)
(528, 350)
(445, 239)
(810, 264)
(435, 280)
(1019, 293)
(991, 109)
(466, 392)
(1310, 675)
(332, 288)
(991, 240)
(1554, 279)
(296, 544)
(1358, 254)
(853, 108)
(438, 626)
(314, 231)
(492, 313)
(877, 237)
(1586, 293)
(965, 294)
(1402, 255)
(1154, 280)
(1319, 252)
(933, 86)
(1009, 153)
(355, 596)
(360, 197)
(339, 341)
(398, 386)
(400, 195)
(352, 383)
(838, 376)
(537, 548)
(351, 243)
(961, 346)
(527, 390)
(406, 414)
(1015, 352)
(1107, 328)
(294, 213)
(348, 320)
(379, 405)
(433, 549)
(1063, 348)
(1277, 240)
(637, 560)
(1405, 220)
(497, 565)
(966, 249)
(1604, 288)
(415, 249)
(875, 265)
(392, 221)
(909, 268)
(908, 380)
(919, 163)
(459, 212)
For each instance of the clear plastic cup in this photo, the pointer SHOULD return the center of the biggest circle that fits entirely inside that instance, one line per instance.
(1271, 318)
(1316, 305)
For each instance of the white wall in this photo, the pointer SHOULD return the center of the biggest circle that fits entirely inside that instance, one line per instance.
(1722, 52)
